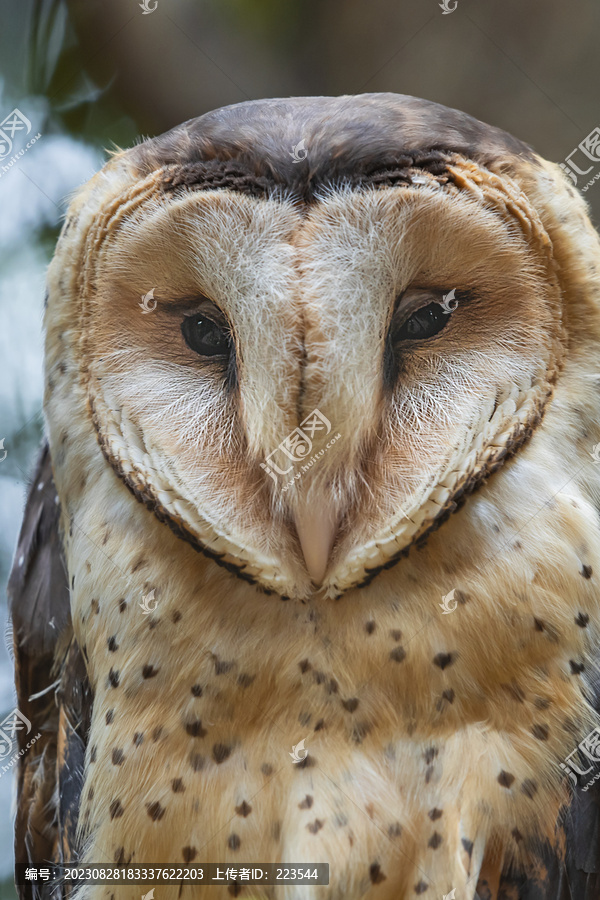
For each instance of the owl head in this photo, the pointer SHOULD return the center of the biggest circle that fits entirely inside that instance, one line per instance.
(302, 332)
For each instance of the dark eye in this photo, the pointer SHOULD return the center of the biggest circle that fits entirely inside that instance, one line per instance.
(423, 323)
(206, 337)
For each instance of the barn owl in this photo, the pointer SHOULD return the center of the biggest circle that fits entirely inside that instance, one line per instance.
(366, 387)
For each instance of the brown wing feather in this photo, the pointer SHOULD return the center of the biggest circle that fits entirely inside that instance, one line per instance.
(52, 686)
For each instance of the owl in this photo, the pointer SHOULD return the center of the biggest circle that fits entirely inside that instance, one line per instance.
(309, 565)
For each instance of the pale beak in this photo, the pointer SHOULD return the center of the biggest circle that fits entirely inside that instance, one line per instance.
(317, 527)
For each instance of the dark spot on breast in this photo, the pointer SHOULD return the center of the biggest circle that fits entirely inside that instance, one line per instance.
(188, 854)
(138, 563)
(177, 786)
(468, 845)
(235, 889)
(112, 644)
(122, 605)
(197, 690)
(149, 671)
(529, 788)
(582, 620)
(155, 811)
(421, 887)
(435, 840)
(245, 680)
(540, 732)
(394, 830)
(586, 571)
(117, 757)
(138, 738)
(517, 835)
(195, 729)
(505, 779)
(306, 803)
(443, 659)
(115, 809)
(113, 678)
(307, 763)
(360, 731)
(156, 733)
(221, 752)
(304, 665)
(315, 826)
(428, 774)
(196, 761)
(319, 677)
(539, 625)
(119, 856)
(514, 691)
(93, 754)
(332, 687)
(375, 873)
(244, 809)
(396, 635)
(304, 718)
(430, 754)
(448, 695)
(576, 667)
(435, 813)
(370, 626)
(110, 716)
(320, 724)
(398, 654)
(175, 616)
(234, 842)
(266, 769)
(222, 667)
(351, 705)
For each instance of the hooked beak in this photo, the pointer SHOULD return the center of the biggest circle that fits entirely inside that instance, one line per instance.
(317, 527)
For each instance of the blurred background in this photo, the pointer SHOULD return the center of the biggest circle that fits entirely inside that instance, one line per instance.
(86, 75)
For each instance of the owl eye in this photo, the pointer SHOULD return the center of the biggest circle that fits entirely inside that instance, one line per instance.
(206, 337)
(423, 323)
